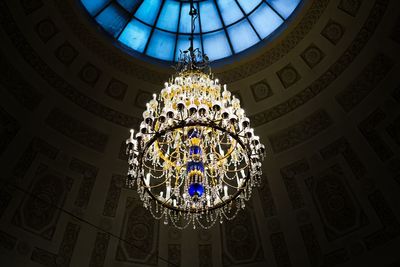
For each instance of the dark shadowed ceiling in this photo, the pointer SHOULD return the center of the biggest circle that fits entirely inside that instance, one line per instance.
(323, 95)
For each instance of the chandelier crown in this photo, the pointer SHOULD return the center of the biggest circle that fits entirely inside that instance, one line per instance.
(195, 158)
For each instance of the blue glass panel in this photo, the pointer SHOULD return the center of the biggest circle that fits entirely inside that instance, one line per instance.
(148, 11)
(209, 16)
(113, 19)
(248, 6)
(230, 11)
(184, 43)
(162, 45)
(168, 19)
(264, 15)
(284, 7)
(242, 36)
(216, 45)
(135, 35)
(185, 22)
(265, 20)
(93, 7)
(129, 5)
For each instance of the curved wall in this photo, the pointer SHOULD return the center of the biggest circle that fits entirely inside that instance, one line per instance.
(324, 97)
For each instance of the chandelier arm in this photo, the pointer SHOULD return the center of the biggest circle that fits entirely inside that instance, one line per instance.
(177, 178)
(151, 168)
(158, 134)
(210, 175)
(230, 150)
(156, 147)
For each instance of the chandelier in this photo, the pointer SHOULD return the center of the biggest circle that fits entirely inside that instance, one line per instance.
(195, 158)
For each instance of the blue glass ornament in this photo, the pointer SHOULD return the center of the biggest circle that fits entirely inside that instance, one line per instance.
(194, 165)
(194, 150)
(196, 189)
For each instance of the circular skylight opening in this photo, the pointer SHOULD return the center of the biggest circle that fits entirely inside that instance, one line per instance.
(160, 28)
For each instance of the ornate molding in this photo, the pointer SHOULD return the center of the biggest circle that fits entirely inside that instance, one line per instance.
(53, 79)
(120, 62)
(333, 72)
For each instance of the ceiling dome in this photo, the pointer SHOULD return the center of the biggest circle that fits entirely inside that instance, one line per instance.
(160, 28)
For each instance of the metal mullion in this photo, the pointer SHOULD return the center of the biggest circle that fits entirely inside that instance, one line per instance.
(247, 18)
(225, 30)
(154, 26)
(129, 19)
(273, 9)
(177, 30)
(103, 8)
(200, 29)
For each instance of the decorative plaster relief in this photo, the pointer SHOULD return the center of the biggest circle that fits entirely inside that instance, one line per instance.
(141, 231)
(368, 128)
(76, 130)
(312, 55)
(17, 86)
(365, 82)
(288, 76)
(390, 224)
(36, 146)
(337, 68)
(300, 132)
(7, 241)
(290, 175)
(88, 173)
(314, 250)
(280, 250)
(266, 199)
(341, 147)
(38, 214)
(90, 74)
(114, 192)
(116, 89)
(66, 53)
(174, 255)
(9, 128)
(63, 257)
(205, 256)
(53, 79)
(31, 6)
(99, 251)
(339, 210)
(46, 29)
(261, 90)
(351, 7)
(333, 31)
(240, 239)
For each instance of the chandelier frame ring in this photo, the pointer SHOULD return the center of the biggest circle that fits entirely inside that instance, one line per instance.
(181, 125)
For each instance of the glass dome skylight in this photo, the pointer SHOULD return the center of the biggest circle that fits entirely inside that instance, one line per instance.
(161, 28)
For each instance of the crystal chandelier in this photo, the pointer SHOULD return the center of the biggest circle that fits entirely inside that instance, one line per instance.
(195, 158)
